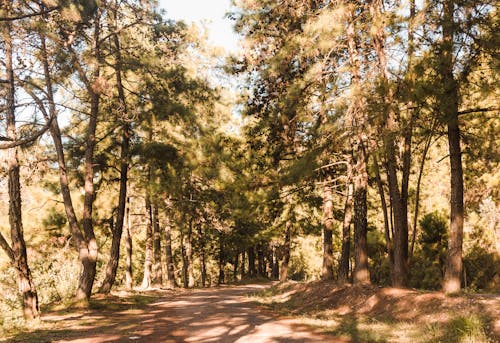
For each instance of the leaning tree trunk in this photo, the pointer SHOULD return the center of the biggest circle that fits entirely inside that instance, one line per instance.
(114, 258)
(286, 252)
(327, 270)
(449, 109)
(17, 253)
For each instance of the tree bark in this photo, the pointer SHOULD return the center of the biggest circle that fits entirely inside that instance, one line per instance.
(343, 276)
(203, 262)
(221, 260)
(327, 269)
(286, 252)
(168, 254)
(260, 261)
(89, 261)
(449, 110)
(252, 272)
(157, 276)
(361, 274)
(148, 261)
(275, 271)
(189, 254)
(129, 280)
(114, 258)
(242, 268)
(18, 250)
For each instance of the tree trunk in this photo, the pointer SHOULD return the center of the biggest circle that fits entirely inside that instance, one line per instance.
(251, 262)
(235, 266)
(114, 258)
(157, 278)
(343, 276)
(286, 252)
(203, 262)
(398, 198)
(260, 261)
(148, 262)
(168, 255)
(449, 110)
(184, 263)
(90, 255)
(327, 270)
(221, 260)
(242, 268)
(361, 274)
(18, 250)
(275, 271)
(129, 280)
(189, 254)
(81, 244)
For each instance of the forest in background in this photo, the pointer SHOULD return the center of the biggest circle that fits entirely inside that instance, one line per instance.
(360, 145)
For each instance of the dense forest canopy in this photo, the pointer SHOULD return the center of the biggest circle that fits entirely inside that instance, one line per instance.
(360, 145)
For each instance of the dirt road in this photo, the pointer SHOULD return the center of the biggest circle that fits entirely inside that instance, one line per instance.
(210, 315)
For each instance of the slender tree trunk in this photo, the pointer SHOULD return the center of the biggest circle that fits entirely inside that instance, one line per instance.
(81, 244)
(221, 260)
(242, 268)
(346, 232)
(203, 261)
(189, 254)
(387, 229)
(361, 274)
(184, 263)
(286, 252)
(114, 258)
(327, 270)
(398, 198)
(19, 257)
(260, 261)
(89, 261)
(252, 272)
(275, 271)
(169, 260)
(235, 266)
(148, 262)
(157, 279)
(129, 280)
(449, 110)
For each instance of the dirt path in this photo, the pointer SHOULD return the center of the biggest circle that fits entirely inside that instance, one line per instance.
(211, 315)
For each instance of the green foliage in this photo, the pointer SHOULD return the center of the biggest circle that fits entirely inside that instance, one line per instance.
(482, 270)
(430, 254)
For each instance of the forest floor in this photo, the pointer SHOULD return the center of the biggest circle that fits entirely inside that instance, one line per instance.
(375, 314)
(287, 312)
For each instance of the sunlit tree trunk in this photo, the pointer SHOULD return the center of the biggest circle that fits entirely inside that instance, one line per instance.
(449, 111)
(17, 251)
(114, 258)
(189, 255)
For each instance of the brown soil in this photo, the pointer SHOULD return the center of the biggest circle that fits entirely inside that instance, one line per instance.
(386, 303)
(222, 314)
